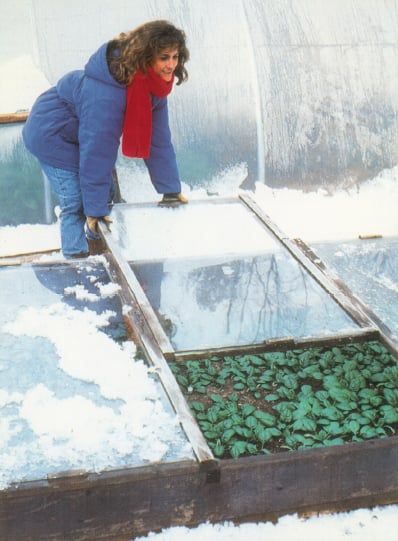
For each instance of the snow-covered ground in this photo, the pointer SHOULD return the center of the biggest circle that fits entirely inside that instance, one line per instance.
(359, 525)
(371, 209)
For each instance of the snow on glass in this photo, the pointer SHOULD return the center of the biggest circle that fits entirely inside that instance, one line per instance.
(72, 393)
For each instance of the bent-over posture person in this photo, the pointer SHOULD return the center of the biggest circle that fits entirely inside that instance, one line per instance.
(75, 127)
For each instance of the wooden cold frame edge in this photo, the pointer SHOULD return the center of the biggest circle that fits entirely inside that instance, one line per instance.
(217, 200)
(157, 359)
(34, 259)
(12, 118)
(353, 307)
(137, 292)
(361, 474)
(285, 344)
(28, 257)
(72, 479)
(108, 505)
(386, 336)
(124, 505)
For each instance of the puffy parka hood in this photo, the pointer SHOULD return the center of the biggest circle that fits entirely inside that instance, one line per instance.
(97, 68)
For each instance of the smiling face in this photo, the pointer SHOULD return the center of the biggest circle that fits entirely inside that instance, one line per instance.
(165, 63)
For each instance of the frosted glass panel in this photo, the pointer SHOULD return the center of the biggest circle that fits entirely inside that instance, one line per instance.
(198, 229)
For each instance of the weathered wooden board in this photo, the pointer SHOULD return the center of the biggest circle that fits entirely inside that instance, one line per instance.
(386, 336)
(283, 344)
(122, 505)
(155, 357)
(137, 292)
(18, 259)
(11, 118)
(349, 304)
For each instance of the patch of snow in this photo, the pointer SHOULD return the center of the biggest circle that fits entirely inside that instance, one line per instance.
(316, 216)
(20, 84)
(359, 525)
(108, 290)
(81, 293)
(27, 238)
(130, 424)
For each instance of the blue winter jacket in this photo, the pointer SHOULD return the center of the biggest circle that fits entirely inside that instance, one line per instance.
(77, 124)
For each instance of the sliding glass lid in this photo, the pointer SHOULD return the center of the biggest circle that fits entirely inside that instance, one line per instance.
(216, 277)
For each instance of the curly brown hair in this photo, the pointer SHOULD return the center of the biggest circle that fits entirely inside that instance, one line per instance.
(137, 49)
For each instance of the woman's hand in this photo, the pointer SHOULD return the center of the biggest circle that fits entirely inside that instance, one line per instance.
(92, 222)
(91, 226)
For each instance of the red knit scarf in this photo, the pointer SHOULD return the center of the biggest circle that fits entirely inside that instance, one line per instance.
(137, 129)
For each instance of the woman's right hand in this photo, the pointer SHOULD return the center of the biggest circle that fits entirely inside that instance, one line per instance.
(92, 222)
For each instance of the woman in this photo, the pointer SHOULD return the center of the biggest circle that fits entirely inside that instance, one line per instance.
(74, 128)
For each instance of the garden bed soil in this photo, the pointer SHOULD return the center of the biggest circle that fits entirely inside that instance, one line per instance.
(299, 399)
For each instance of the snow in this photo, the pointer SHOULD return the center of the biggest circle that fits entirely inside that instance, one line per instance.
(359, 525)
(16, 74)
(29, 238)
(75, 431)
(227, 229)
(370, 209)
(88, 431)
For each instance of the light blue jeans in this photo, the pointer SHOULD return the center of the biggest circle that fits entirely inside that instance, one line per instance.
(66, 186)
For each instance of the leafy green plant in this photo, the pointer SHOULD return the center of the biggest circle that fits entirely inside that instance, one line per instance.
(253, 404)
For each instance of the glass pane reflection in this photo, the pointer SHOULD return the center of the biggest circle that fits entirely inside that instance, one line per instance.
(238, 300)
(370, 269)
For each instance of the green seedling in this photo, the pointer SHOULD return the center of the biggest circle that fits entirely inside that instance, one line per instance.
(294, 400)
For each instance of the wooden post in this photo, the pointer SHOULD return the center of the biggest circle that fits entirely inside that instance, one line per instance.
(12, 118)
